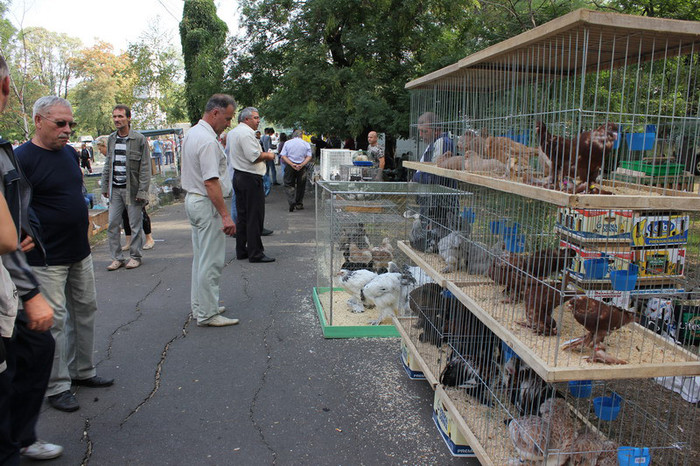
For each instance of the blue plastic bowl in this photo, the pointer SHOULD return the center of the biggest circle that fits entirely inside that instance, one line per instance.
(632, 456)
(624, 280)
(515, 243)
(607, 407)
(581, 388)
(468, 214)
(595, 269)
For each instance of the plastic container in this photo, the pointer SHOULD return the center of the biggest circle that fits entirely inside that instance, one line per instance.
(515, 243)
(581, 388)
(468, 214)
(654, 170)
(497, 227)
(633, 456)
(507, 352)
(640, 141)
(624, 280)
(595, 269)
(511, 230)
(607, 407)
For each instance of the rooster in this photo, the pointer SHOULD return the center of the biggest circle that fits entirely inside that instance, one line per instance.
(579, 158)
(600, 320)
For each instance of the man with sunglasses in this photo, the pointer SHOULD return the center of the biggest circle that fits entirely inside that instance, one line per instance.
(126, 178)
(64, 267)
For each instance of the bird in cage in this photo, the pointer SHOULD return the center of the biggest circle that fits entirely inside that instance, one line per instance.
(388, 292)
(579, 159)
(454, 249)
(553, 431)
(353, 281)
(526, 389)
(590, 449)
(382, 255)
(600, 320)
(421, 237)
(540, 302)
(353, 242)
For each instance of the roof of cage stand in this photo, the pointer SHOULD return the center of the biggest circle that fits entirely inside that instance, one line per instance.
(605, 50)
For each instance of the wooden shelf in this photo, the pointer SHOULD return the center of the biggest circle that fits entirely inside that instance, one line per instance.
(400, 323)
(647, 199)
(543, 354)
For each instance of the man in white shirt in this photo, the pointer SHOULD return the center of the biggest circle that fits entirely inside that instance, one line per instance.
(204, 178)
(248, 161)
(296, 153)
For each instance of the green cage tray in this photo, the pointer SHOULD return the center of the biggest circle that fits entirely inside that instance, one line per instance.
(651, 169)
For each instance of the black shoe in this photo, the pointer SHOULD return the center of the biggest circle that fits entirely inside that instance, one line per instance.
(64, 401)
(94, 382)
(263, 259)
(291, 208)
(241, 257)
(266, 232)
(299, 206)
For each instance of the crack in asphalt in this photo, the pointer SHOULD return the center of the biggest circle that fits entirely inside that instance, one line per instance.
(137, 308)
(263, 381)
(159, 368)
(88, 448)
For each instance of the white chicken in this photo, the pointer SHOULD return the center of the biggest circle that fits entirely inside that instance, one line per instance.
(552, 432)
(353, 281)
(388, 292)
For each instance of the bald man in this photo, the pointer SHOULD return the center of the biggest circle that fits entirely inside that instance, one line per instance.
(376, 153)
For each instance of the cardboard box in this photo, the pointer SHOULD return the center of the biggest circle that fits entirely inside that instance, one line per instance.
(410, 364)
(448, 430)
(660, 230)
(660, 262)
(596, 223)
(616, 259)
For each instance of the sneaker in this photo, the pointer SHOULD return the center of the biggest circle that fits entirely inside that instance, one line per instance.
(221, 309)
(217, 321)
(41, 450)
(115, 265)
(133, 263)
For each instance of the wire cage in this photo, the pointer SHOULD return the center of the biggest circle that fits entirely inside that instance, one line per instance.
(589, 103)
(358, 227)
(578, 245)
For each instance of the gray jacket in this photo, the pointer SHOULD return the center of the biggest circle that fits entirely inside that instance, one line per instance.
(138, 170)
(17, 192)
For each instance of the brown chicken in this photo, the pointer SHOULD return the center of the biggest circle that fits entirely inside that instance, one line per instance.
(517, 272)
(540, 302)
(579, 158)
(600, 320)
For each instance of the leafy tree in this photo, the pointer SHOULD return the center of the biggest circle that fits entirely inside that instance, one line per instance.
(106, 80)
(203, 37)
(158, 68)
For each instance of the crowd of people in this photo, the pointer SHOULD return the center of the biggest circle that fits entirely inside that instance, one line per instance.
(48, 298)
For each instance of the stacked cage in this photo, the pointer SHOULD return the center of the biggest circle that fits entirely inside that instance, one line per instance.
(563, 293)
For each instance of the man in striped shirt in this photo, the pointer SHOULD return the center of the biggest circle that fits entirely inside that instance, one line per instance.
(125, 181)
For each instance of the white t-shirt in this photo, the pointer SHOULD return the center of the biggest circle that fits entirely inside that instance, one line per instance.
(244, 150)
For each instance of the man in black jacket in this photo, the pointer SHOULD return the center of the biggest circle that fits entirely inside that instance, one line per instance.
(30, 351)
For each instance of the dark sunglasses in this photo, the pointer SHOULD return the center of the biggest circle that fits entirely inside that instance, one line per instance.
(61, 123)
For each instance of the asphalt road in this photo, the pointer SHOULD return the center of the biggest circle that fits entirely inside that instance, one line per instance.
(270, 390)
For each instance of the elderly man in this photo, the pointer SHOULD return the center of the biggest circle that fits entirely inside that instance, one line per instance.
(64, 266)
(248, 161)
(29, 346)
(296, 153)
(204, 178)
(126, 178)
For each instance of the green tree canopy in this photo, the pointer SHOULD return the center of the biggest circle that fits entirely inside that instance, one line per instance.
(203, 37)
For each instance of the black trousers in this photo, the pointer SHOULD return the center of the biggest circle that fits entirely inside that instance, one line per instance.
(22, 388)
(250, 203)
(146, 222)
(295, 184)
